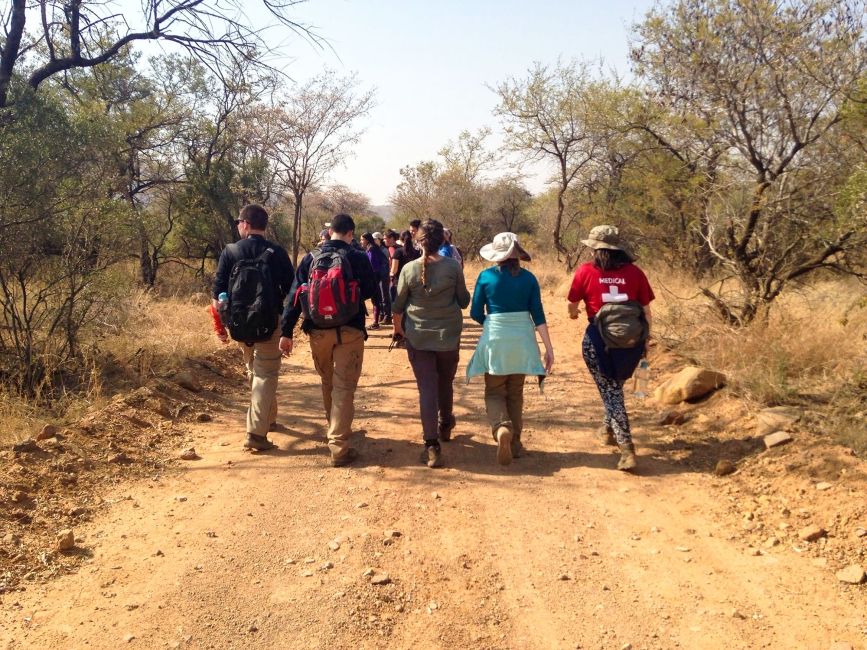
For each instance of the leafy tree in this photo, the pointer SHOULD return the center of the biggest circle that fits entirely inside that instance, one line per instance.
(547, 116)
(771, 79)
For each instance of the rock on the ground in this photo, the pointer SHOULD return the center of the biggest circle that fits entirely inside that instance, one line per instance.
(392, 533)
(671, 417)
(812, 533)
(65, 540)
(189, 454)
(777, 418)
(776, 439)
(48, 431)
(380, 579)
(824, 485)
(27, 446)
(690, 383)
(861, 532)
(724, 468)
(841, 645)
(185, 379)
(334, 545)
(204, 417)
(852, 574)
(120, 459)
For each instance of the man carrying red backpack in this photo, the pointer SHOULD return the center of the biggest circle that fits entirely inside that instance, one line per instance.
(331, 285)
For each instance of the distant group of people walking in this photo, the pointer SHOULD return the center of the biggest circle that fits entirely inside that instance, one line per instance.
(415, 281)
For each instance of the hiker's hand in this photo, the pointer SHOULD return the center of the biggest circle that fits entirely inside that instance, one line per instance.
(285, 346)
(398, 327)
(574, 308)
(549, 360)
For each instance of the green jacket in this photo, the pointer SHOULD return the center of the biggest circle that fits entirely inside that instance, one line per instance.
(433, 318)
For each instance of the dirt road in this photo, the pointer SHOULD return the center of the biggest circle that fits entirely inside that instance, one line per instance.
(558, 550)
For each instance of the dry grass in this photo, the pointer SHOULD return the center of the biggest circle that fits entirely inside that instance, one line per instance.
(145, 337)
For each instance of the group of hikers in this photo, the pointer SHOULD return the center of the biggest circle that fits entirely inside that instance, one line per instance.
(259, 298)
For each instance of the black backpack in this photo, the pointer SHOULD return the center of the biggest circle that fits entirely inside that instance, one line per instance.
(253, 302)
(622, 324)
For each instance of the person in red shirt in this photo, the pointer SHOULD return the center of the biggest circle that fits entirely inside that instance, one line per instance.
(610, 277)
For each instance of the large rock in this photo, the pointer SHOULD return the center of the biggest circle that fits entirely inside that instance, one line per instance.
(185, 379)
(690, 383)
(777, 418)
(853, 575)
(777, 439)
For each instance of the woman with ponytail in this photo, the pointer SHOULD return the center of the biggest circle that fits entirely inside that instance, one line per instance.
(431, 292)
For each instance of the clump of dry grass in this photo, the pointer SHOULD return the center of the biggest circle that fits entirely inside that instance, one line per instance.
(153, 335)
(144, 336)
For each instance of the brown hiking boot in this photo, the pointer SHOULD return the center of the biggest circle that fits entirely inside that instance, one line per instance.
(346, 458)
(517, 447)
(627, 460)
(258, 443)
(605, 435)
(504, 445)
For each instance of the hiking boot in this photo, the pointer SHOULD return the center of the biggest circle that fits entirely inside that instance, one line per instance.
(374, 326)
(346, 458)
(431, 456)
(605, 435)
(387, 321)
(258, 443)
(517, 447)
(445, 432)
(627, 460)
(504, 445)
(277, 426)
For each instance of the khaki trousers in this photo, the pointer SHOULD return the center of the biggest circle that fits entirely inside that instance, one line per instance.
(263, 367)
(504, 402)
(337, 356)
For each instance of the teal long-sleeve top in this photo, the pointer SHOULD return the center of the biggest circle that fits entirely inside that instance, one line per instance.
(498, 291)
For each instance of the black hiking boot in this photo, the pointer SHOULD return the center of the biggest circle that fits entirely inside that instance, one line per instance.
(446, 429)
(517, 447)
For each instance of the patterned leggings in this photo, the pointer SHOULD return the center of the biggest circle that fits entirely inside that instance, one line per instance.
(611, 391)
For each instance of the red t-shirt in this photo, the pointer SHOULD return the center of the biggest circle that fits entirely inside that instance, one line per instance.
(596, 287)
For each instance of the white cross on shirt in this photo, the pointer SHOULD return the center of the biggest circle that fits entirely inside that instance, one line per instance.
(614, 295)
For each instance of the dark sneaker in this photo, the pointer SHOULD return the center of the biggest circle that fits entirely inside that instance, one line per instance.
(627, 460)
(605, 435)
(346, 458)
(374, 326)
(432, 456)
(387, 321)
(446, 429)
(504, 446)
(517, 447)
(258, 443)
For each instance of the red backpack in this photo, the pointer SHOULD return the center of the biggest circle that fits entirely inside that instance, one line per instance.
(331, 297)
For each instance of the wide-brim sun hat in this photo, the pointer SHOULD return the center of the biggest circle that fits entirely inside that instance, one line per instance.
(503, 247)
(607, 237)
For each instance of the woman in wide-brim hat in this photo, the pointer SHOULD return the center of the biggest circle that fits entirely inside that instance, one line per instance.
(610, 277)
(507, 301)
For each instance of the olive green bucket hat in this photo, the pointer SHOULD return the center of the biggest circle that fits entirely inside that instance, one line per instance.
(607, 237)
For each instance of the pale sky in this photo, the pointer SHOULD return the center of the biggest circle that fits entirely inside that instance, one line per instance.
(431, 63)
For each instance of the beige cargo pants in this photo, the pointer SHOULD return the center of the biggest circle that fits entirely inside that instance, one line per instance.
(263, 367)
(337, 356)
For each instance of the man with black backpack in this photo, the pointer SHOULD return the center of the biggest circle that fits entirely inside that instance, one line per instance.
(331, 285)
(253, 277)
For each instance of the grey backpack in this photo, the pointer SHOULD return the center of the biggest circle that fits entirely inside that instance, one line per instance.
(622, 324)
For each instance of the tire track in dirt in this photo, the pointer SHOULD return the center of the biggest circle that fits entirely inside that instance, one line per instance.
(557, 550)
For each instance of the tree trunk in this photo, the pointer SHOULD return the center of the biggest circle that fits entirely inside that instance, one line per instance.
(296, 228)
(10, 51)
